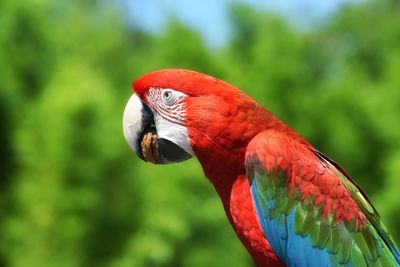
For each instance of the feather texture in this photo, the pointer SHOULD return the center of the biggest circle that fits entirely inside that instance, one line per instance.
(311, 213)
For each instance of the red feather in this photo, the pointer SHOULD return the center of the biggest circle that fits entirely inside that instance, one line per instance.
(221, 121)
(307, 173)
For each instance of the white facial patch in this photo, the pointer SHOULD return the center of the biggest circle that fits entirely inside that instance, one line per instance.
(168, 109)
(173, 132)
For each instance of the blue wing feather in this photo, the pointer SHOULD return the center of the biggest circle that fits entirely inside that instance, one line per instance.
(291, 248)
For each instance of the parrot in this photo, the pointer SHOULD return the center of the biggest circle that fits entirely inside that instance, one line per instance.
(289, 204)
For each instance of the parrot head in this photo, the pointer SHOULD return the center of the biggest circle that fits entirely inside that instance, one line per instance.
(175, 114)
(154, 121)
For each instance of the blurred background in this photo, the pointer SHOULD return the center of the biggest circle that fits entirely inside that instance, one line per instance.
(71, 191)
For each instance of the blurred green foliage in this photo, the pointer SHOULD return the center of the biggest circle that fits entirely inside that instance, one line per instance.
(73, 194)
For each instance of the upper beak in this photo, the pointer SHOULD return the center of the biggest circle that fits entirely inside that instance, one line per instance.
(140, 132)
(134, 120)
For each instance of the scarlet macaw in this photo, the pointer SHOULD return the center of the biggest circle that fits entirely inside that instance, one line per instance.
(289, 204)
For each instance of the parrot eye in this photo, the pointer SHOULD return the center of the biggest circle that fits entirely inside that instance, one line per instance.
(167, 96)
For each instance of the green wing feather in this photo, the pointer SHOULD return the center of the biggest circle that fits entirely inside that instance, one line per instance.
(376, 229)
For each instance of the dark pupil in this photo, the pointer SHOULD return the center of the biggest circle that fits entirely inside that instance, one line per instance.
(167, 95)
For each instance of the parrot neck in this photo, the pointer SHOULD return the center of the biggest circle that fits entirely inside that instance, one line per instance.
(231, 183)
(222, 167)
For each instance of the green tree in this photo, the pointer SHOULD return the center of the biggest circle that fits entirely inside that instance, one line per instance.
(72, 192)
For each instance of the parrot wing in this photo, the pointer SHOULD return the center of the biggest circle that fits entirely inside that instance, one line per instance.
(311, 212)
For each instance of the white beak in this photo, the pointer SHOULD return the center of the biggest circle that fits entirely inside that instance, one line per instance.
(132, 122)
